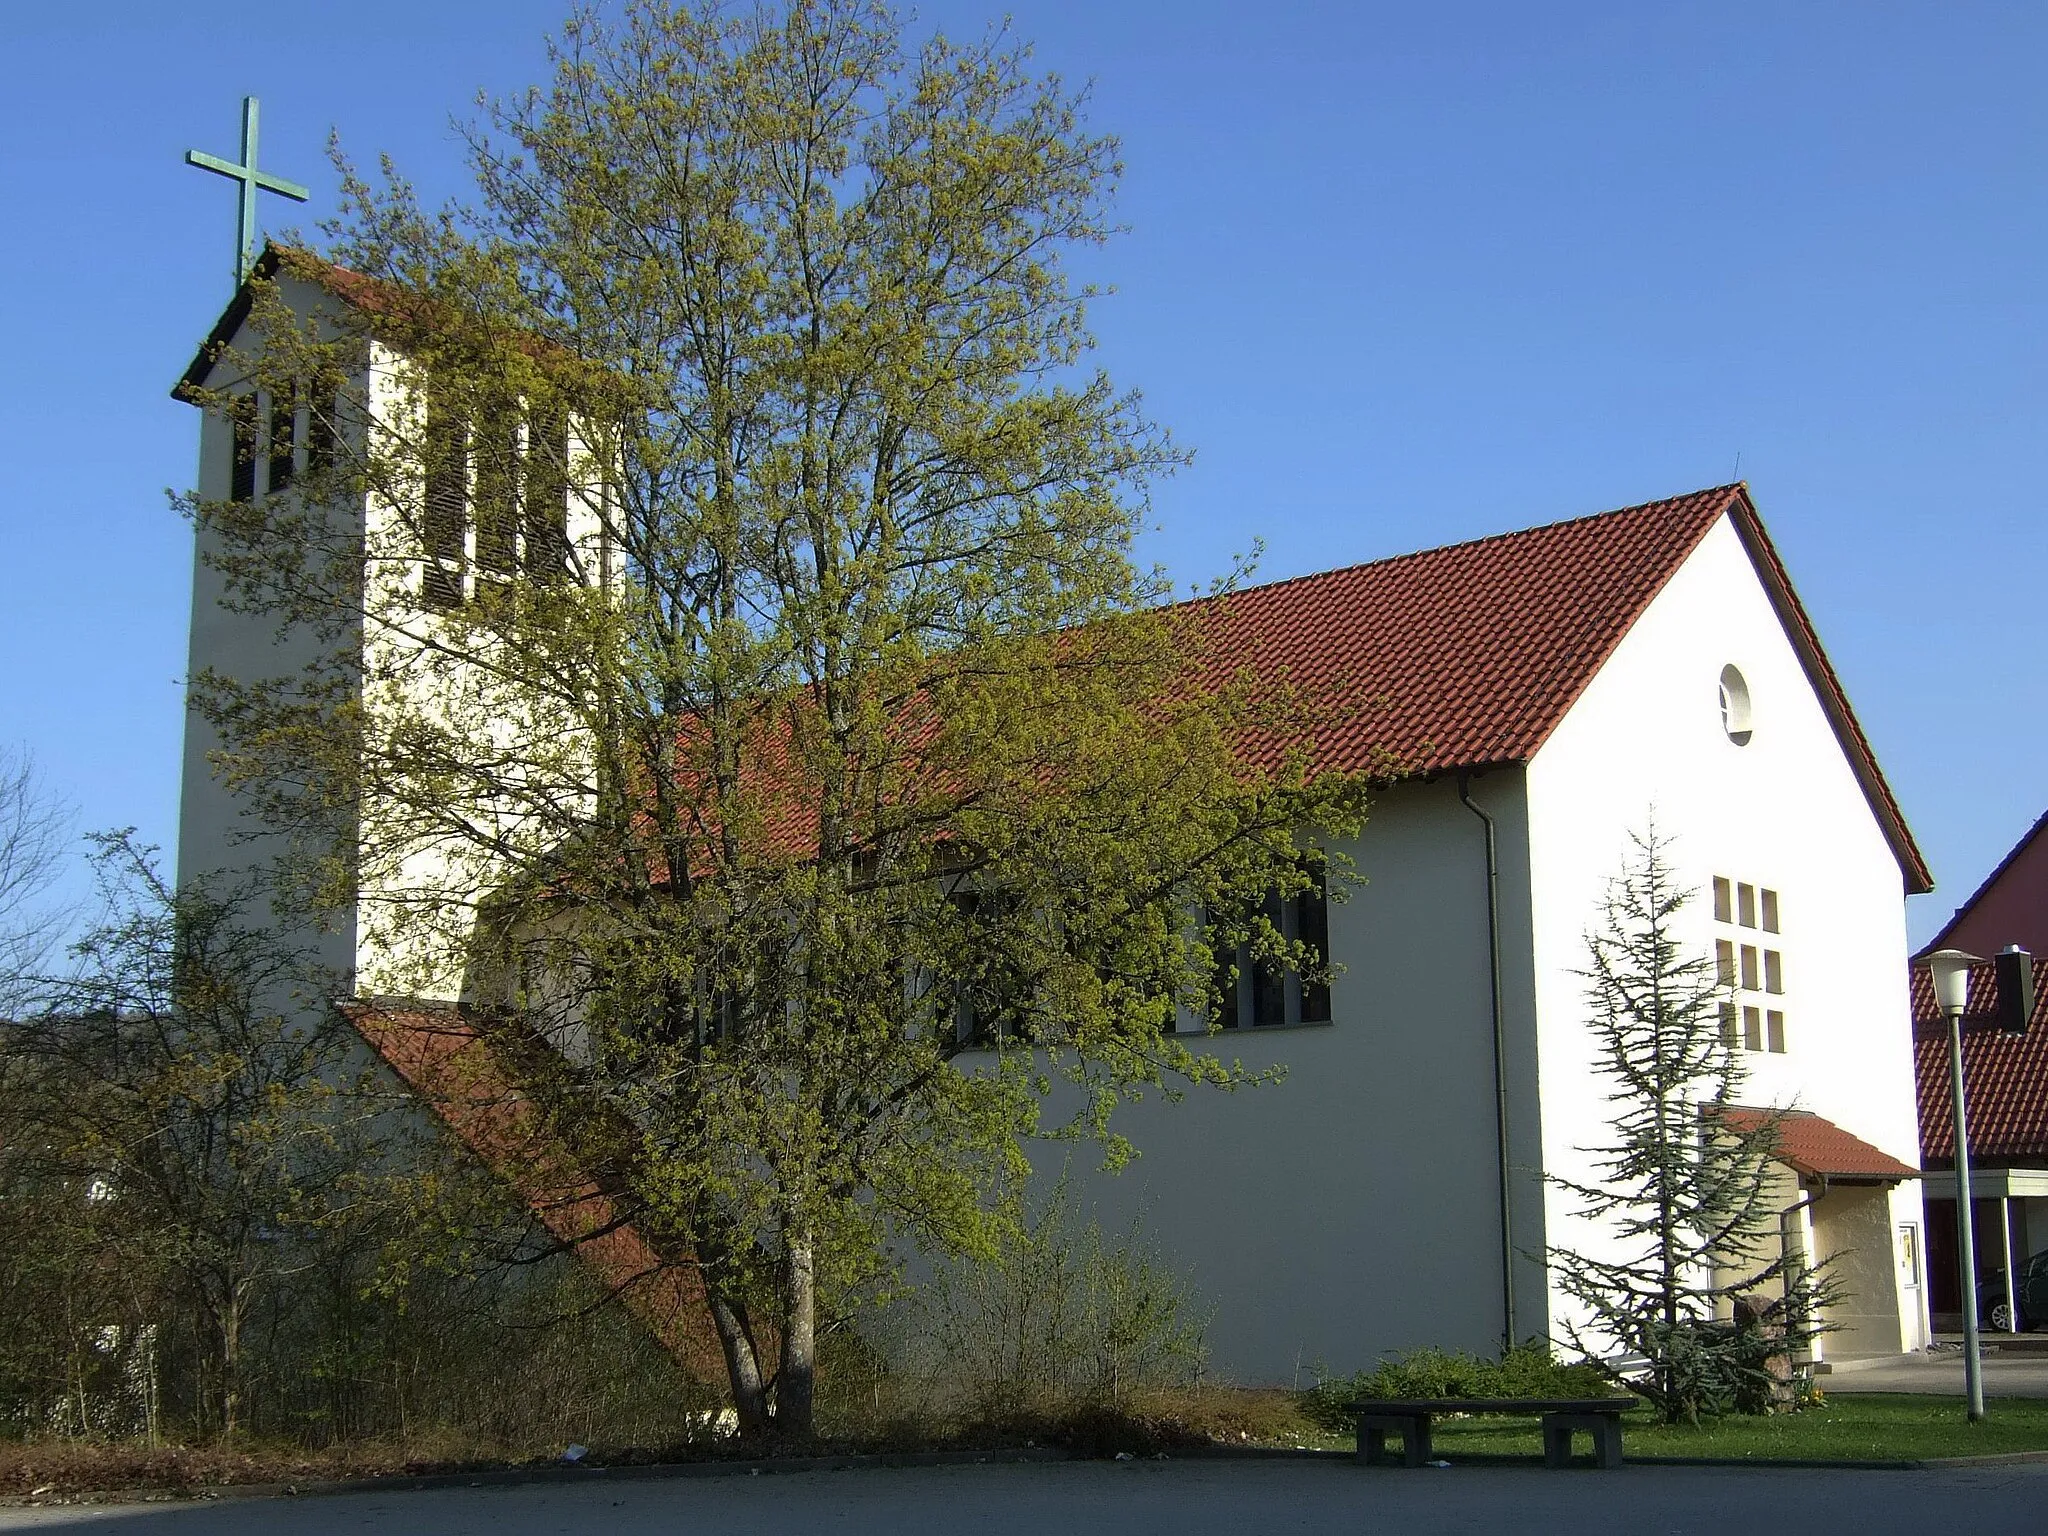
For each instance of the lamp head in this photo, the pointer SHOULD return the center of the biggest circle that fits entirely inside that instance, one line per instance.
(1950, 969)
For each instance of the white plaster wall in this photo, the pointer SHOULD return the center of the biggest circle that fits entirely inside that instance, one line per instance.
(408, 930)
(1784, 811)
(1352, 1209)
(422, 889)
(215, 835)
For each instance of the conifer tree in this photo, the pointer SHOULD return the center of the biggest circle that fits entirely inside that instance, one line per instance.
(1690, 1299)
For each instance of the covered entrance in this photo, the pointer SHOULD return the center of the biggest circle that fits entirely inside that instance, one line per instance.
(2010, 1206)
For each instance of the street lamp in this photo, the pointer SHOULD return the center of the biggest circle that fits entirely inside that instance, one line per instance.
(1950, 969)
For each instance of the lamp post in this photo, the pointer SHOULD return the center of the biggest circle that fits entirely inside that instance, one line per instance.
(1950, 969)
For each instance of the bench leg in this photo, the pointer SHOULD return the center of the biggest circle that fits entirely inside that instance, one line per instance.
(1607, 1440)
(1413, 1430)
(1604, 1429)
(1372, 1443)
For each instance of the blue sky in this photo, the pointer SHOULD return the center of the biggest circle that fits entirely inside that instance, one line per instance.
(1400, 274)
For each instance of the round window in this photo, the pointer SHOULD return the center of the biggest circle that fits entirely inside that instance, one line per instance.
(1735, 717)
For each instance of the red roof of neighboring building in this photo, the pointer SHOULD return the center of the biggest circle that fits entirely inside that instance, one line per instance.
(2010, 907)
(2005, 1077)
(1819, 1148)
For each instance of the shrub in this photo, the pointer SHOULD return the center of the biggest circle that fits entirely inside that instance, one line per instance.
(1529, 1370)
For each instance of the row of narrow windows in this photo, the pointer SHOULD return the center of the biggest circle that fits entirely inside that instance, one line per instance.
(497, 497)
(1253, 993)
(276, 436)
(1250, 992)
(496, 500)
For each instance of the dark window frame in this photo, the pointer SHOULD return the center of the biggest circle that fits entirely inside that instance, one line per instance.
(1269, 997)
(242, 445)
(444, 516)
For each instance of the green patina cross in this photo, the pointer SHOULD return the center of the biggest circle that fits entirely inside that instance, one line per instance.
(250, 178)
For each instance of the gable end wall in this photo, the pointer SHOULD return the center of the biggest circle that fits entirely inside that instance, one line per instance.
(1785, 811)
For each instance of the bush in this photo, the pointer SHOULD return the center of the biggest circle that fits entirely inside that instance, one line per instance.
(1060, 1313)
(1530, 1370)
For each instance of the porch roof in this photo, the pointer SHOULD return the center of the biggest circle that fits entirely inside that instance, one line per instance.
(1815, 1147)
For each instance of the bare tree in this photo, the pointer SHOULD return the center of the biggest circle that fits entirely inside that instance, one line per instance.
(35, 827)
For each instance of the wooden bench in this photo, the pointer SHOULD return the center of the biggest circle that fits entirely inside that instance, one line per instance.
(1563, 1417)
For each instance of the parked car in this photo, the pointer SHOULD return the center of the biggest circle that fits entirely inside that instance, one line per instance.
(2030, 1290)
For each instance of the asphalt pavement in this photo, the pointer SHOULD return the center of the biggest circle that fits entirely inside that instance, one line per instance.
(1141, 1498)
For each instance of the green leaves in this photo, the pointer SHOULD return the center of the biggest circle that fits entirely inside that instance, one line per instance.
(851, 791)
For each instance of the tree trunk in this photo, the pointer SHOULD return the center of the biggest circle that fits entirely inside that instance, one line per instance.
(231, 1363)
(742, 1364)
(796, 1381)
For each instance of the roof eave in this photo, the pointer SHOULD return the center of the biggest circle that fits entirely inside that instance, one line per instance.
(1827, 687)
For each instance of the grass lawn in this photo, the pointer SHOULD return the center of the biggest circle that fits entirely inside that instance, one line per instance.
(1876, 1427)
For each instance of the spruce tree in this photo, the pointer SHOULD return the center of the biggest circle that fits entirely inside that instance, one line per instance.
(1691, 1300)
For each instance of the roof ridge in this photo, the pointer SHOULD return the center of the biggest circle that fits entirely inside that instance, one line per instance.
(1724, 493)
(2011, 855)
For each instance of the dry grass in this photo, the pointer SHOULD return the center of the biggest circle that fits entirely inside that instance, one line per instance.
(1144, 1424)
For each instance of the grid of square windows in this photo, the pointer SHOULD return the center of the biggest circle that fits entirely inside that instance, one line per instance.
(1750, 965)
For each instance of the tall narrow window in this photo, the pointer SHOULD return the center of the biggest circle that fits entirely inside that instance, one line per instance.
(444, 523)
(322, 408)
(284, 438)
(1745, 905)
(1724, 900)
(546, 500)
(1269, 981)
(242, 433)
(497, 490)
(1227, 980)
(1769, 900)
(1312, 927)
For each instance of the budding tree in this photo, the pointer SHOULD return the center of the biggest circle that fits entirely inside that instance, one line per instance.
(745, 623)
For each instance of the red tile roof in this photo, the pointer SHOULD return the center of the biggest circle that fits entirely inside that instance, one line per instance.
(1468, 656)
(450, 1058)
(2005, 1077)
(1819, 1148)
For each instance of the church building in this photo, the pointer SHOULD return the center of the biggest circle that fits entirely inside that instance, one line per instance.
(1542, 697)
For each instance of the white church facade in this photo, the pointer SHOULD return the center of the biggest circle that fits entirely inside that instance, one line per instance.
(1545, 695)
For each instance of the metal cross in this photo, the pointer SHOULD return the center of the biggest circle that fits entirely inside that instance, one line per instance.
(250, 178)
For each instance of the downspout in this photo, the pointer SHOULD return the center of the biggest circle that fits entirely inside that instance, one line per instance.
(1794, 1267)
(1500, 1071)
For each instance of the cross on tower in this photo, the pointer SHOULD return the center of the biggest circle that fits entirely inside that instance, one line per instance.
(250, 178)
